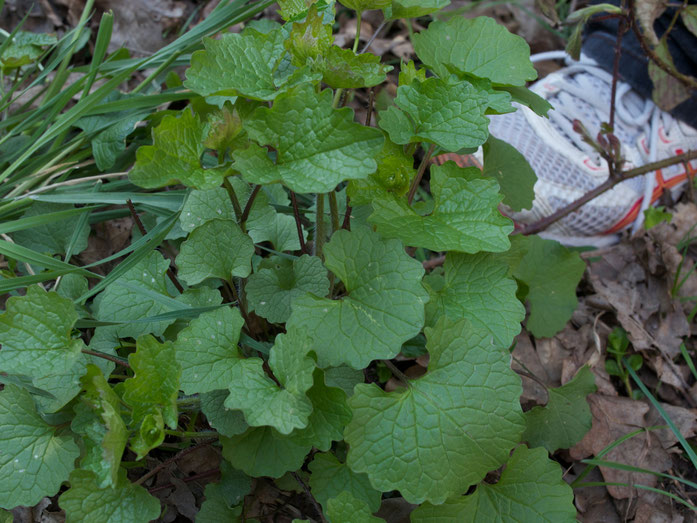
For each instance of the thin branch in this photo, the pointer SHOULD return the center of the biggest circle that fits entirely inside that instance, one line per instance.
(608, 184)
(141, 228)
(298, 224)
(686, 80)
(420, 173)
(347, 216)
(167, 462)
(616, 70)
(371, 103)
(119, 361)
(250, 202)
(375, 34)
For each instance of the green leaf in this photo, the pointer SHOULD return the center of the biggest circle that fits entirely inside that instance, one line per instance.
(655, 215)
(35, 334)
(330, 414)
(447, 429)
(309, 39)
(200, 207)
(552, 273)
(34, 461)
(270, 291)
(25, 48)
(217, 249)
(414, 8)
(53, 237)
(465, 214)
(285, 405)
(64, 386)
(222, 497)
(688, 14)
(329, 478)
(307, 161)
(139, 293)
(175, 156)
(152, 392)
(450, 115)
(85, 501)
(565, 419)
(345, 508)
(512, 171)
(525, 96)
(263, 451)
(345, 69)
(108, 132)
(247, 64)
(226, 421)
(530, 489)
(207, 350)
(477, 287)
(106, 430)
(366, 5)
(383, 308)
(477, 46)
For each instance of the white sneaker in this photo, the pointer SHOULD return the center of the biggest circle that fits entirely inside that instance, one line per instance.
(567, 167)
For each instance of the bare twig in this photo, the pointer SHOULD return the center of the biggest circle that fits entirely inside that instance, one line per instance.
(119, 361)
(608, 184)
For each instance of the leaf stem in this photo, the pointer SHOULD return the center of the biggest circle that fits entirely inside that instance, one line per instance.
(398, 373)
(420, 173)
(143, 231)
(334, 210)
(195, 434)
(358, 30)
(119, 361)
(248, 205)
(233, 199)
(319, 226)
(298, 224)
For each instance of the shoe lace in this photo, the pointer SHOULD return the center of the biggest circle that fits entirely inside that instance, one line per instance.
(647, 119)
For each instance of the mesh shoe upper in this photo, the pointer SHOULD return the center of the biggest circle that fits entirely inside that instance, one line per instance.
(567, 167)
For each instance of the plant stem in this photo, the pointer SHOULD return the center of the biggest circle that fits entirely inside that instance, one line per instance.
(319, 226)
(608, 184)
(248, 205)
(420, 173)
(298, 224)
(622, 28)
(334, 210)
(185, 402)
(119, 361)
(143, 231)
(187, 434)
(358, 31)
(233, 199)
(398, 373)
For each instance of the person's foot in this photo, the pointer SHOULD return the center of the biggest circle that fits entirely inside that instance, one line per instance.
(567, 167)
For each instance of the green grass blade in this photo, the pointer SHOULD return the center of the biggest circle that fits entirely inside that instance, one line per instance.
(20, 253)
(630, 468)
(611, 446)
(170, 200)
(688, 449)
(35, 221)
